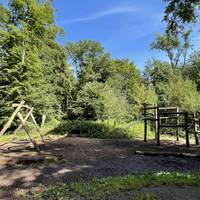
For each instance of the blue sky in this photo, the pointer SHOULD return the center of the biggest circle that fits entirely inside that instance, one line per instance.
(125, 28)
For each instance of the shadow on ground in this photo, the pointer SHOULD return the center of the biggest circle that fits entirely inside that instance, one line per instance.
(82, 159)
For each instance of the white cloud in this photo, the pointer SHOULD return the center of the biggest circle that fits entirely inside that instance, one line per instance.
(101, 14)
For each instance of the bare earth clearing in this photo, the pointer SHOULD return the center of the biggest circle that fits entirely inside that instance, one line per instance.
(82, 158)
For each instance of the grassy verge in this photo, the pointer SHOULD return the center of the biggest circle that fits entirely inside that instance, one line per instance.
(108, 129)
(21, 135)
(103, 189)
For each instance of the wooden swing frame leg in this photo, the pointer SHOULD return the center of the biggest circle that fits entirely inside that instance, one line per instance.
(27, 131)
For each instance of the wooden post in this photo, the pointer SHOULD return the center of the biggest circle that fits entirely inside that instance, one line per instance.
(156, 121)
(158, 133)
(43, 120)
(25, 119)
(37, 127)
(186, 130)
(7, 125)
(145, 122)
(177, 121)
(27, 131)
(195, 130)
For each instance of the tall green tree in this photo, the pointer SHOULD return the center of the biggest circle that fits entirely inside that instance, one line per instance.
(182, 93)
(180, 13)
(31, 61)
(90, 61)
(175, 46)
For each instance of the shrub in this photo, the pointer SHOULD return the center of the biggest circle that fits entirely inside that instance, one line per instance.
(108, 129)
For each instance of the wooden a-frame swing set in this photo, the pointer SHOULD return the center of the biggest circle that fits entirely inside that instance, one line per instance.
(17, 113)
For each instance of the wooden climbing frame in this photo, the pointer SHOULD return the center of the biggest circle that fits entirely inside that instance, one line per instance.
(170, 113)
(17, 113)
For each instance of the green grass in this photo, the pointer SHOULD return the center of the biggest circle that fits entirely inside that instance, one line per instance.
(103, 189)
(108, 129)
(21, 135)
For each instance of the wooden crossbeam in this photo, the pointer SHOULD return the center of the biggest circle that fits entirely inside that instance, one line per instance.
(7, 125)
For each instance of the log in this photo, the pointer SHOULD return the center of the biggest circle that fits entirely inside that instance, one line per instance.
(25, 119)
(43, 120)
(179, 155)
(24, 106)
(37, 127)
(7, 125)
(27, 131)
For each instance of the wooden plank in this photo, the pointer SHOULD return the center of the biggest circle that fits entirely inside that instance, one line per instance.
(7, 125)
(167, 108)
(43, 120)
(158, 130)
(37, 127)
(173, 126)
(24, 106)
(186, 131)
(145, 123)
(27, 131)
(25, 119)
(172, 113)
(156, 122)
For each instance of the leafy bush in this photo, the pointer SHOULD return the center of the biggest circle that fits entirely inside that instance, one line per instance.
(106, 130)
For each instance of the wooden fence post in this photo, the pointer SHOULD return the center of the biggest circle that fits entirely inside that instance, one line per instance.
(145, 122)
(186, 130)
(156, 121)
(158, 133)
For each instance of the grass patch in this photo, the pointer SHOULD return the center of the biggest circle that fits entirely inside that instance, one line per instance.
(108, 129)
(21, 135)
(103, 189)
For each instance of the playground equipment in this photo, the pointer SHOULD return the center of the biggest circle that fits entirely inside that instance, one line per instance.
(171, 117)
(17, 112)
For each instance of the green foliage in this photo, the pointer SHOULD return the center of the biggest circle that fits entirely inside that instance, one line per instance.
(104, 188)
(180, 13)
(192, 69)
(108, 129)
(181, 93)
(175, 46)
(32, 65)
(99, 101)
(90, 61)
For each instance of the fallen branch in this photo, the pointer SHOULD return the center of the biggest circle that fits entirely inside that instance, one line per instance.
(179, 155)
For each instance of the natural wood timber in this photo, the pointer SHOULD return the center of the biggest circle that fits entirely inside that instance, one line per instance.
(27, 131)
(24, 106)
(151, 108)
(43, 120)
(25, 119)
(173, 125)
(180, 155)
(177, 122)
(158, 130)
(167, 108)
(7, 125)
(172, 113)
(37, 127)
(145, 123)
(187, 131)
(156, 122)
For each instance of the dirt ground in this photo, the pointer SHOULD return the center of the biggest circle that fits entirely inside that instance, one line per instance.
(82, 158)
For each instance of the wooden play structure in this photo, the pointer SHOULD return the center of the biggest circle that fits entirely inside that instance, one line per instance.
(171, 118)
(29, 114)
